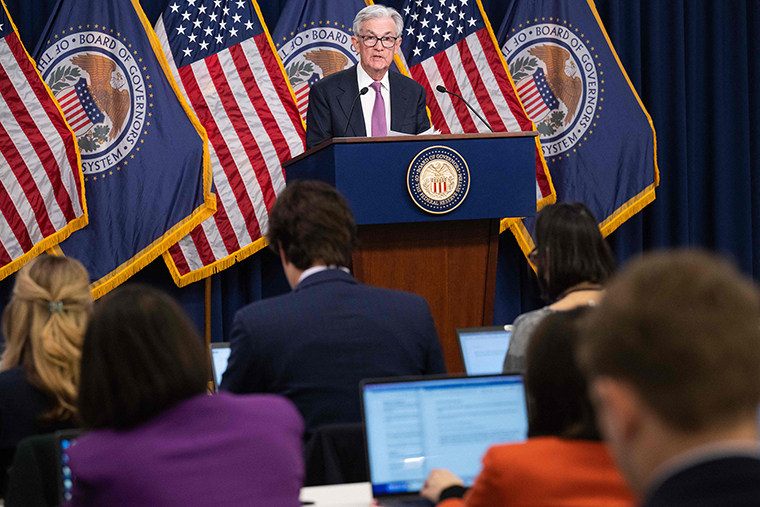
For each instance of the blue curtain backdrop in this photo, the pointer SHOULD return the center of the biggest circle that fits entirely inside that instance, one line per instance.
(695, 66)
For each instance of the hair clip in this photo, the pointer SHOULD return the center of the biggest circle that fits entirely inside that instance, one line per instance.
(55, 306)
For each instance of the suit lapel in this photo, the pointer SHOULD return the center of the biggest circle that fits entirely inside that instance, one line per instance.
(399, 98)
(349, 90)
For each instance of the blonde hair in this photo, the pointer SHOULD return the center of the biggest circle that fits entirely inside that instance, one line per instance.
(44, 326)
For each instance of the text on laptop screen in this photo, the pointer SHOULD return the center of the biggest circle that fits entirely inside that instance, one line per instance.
(484, 351)
(220, 356)
(414, 427)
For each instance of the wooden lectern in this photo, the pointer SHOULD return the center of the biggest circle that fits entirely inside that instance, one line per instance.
(449, 259)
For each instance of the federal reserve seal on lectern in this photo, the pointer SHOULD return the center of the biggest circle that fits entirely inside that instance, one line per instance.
(438, 179)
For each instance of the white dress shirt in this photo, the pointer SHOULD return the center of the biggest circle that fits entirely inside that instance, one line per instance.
(318, 269)
(368, 99)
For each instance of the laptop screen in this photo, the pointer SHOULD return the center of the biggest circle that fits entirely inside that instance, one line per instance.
(415, 426)
(484, 349)
(220, 354)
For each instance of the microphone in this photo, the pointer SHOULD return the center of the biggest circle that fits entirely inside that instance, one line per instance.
(443, 89)
(353, 105)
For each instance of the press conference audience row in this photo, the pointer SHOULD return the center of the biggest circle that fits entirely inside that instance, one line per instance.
(154, 436)
(670, 354)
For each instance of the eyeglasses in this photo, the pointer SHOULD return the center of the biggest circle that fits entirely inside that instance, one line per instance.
(371, 41)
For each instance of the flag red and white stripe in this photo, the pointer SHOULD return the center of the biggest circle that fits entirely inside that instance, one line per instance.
(243, 100)
(532, 100)
(302, 98)
(41, 194)
(73, 110)
(472, 67)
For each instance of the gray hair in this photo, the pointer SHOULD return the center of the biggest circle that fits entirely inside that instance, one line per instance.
(375, 12)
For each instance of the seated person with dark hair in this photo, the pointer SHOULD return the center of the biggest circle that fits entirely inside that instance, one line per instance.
(572, 260)
(156, 437)
(563, 462)
(673, 359)
(316, 343)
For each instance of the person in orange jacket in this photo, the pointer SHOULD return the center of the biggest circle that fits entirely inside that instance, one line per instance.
(563, 462)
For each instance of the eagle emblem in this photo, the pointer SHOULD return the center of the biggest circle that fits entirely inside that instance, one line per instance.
(438, 179)
(549, 86)
(556, 76)
(562, 76)
(311, 54)
(329, 62)
(100, 89)
(108, 88)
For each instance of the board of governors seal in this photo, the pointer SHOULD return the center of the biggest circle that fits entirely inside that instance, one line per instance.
(97, 81)
(438, 179)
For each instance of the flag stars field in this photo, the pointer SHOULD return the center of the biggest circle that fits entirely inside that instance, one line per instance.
(231, 47)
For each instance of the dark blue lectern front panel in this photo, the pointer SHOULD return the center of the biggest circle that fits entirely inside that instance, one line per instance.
(373, 177)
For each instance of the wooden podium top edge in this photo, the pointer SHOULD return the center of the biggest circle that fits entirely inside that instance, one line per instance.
(396, 139)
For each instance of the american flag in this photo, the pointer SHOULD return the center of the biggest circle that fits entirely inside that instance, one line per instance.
(450, 43)
(224, 62)
(41, 195)
(536, 95)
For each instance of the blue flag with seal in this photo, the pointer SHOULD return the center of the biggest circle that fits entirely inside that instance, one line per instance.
(144, 154)
(313, 39)
(598, 139)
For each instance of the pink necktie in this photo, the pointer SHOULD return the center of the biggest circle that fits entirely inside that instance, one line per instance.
(379, 124)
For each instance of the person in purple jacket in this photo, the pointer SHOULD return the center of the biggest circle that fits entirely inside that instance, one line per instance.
(156, 437)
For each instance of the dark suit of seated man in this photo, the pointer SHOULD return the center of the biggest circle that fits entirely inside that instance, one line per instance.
(316, 343)
(673, 358)
(397, 103)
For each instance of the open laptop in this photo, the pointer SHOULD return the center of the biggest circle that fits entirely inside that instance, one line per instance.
(220, 355)
(416, 424)
(484, 349)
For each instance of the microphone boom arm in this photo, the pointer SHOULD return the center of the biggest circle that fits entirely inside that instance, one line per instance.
(443, 89)
(353, 105)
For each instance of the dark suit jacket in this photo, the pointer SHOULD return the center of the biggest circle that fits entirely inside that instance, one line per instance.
(21, 405)
(733, 481)
(316, 343)
(330, 102)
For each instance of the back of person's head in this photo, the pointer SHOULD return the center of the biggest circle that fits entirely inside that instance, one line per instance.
(312, 223)
(570, 249)
(558, 402)
(44, 324)
(141, 356)
(683, 330)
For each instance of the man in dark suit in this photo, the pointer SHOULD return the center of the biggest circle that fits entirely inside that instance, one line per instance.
(673, 358)
(392, 101)
(316, 343)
